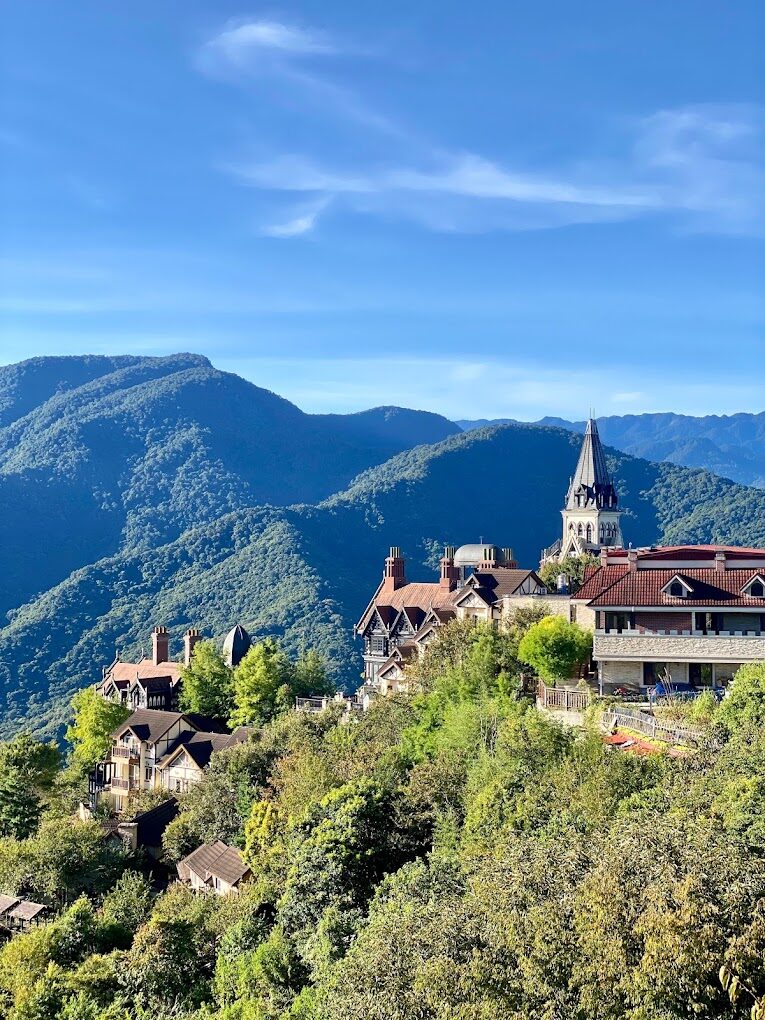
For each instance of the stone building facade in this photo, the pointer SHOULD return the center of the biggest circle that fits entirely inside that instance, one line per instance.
(694, 613)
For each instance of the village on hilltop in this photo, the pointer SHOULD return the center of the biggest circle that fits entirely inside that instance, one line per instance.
(683, 616)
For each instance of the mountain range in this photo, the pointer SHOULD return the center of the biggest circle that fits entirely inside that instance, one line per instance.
(729, 445)
(139, 491)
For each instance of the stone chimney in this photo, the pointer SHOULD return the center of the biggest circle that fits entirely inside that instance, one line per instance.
(604, 557)
(160, 645)
(632, 558)
(720, 562)
(394, 576)
(190, 638)
(450, 575)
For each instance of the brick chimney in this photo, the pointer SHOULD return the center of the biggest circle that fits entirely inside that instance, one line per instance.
(160, 645)
(450, 575)
(190, 638)
(604, 557)
(632, 560)
(720, 561)
(394, 576)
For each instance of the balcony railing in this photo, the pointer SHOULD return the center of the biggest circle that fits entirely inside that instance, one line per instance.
(125, 751)
(646, 632)
(125, 784)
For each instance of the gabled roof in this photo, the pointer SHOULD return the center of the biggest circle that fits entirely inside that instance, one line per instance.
(492, 585)
(711, 589)
(149, 724)
(27, 910)
(142, 670)
(151, 825)
(421, 595)
(686, 585)
(216, 860)
(153, 684)
(201, 746)
(750, 582)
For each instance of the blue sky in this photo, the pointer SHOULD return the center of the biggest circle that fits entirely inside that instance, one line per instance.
(498, 209)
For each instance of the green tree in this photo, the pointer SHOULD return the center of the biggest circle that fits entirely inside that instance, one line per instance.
(207, 683)
(555, 648)
(310, 676)
(262, 683)
(744, 703)
(90, 732)
(573, 568)
(36, 762)
(19, 806)
(127, 906)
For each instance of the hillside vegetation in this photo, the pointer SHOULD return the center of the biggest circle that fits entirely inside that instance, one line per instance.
(304, 574)
(451, 854)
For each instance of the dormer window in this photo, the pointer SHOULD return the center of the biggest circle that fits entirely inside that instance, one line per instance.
(677, 588)
(755, 588)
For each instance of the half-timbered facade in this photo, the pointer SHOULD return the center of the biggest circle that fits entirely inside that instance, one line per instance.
(478, 582)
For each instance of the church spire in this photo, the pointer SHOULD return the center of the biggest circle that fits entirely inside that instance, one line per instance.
(591, 486)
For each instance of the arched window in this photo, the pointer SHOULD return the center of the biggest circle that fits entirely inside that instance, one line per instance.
(589, 532)
(580, 530)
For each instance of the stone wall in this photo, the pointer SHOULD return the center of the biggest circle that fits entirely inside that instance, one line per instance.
(679, 648)
(621, 672)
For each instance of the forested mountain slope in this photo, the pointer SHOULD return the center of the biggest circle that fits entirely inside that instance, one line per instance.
(104, 455)
(729, 445)
(305, 573)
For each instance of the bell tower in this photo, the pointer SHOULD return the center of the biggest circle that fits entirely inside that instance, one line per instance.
(591, 514)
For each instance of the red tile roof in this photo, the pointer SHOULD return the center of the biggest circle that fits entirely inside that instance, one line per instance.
(143, 670)
(617, 586)
(421, 595)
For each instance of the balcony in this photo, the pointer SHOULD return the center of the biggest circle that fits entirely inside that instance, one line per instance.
(125, 784)
(680, 646)
(125, 751)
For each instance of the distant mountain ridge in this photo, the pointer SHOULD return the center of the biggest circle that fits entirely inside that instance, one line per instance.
(732, 446)
(143, 491)
(128, 452)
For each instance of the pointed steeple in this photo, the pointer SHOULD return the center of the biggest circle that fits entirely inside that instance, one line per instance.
(591, 486)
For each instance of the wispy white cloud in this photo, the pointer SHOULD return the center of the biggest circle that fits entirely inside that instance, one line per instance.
(700, 165)
(240, 43)
(303, 222)
(692, 164)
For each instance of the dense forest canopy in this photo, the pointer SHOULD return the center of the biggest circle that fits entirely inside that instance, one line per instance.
(452, 853)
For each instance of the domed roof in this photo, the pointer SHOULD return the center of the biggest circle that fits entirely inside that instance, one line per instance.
(238, 642)
(477, 552)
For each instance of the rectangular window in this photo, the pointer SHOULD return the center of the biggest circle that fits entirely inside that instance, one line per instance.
(617, 622)
(653, 672)
(572, 613)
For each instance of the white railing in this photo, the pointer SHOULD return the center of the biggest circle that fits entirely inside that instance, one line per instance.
(562, 698)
